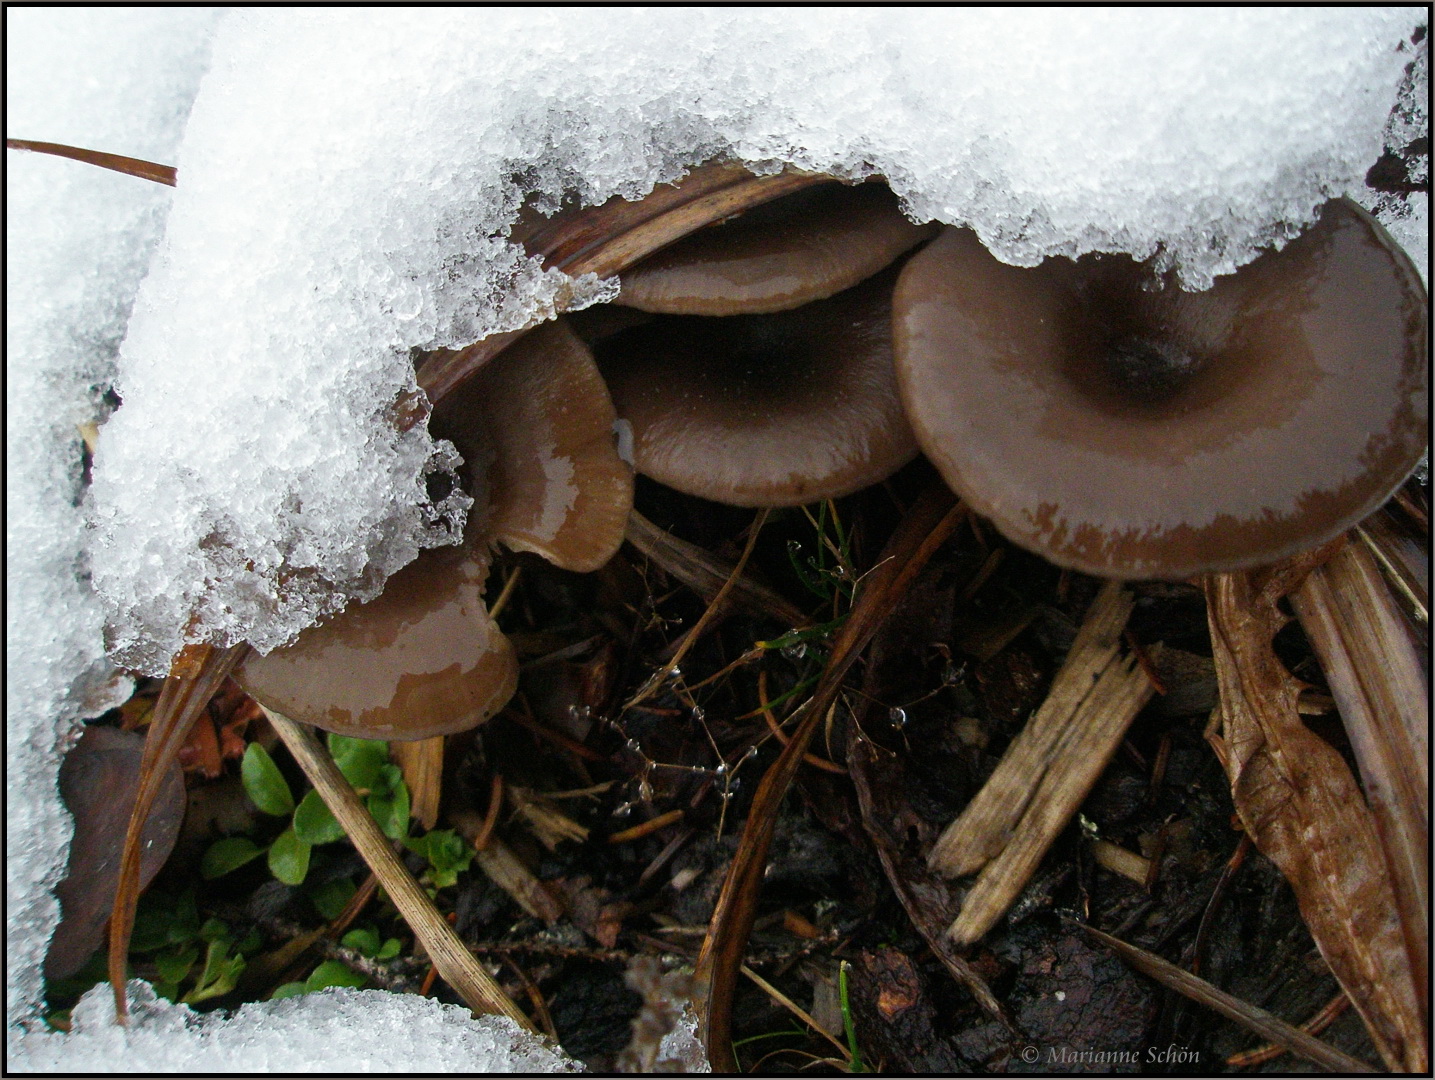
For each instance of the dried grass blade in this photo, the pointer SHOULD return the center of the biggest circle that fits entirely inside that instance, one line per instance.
(1269, 1027)
(930, 521)
(706, 574)
(145, 170)
(196, 675)
(450, 956)
(1303, 809)
(1375, 676)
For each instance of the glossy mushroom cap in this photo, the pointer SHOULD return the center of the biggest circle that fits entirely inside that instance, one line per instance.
(422, 659)
(792, 251)
(765, 410)
(425, 658)
(540, 423)
(1132, 432)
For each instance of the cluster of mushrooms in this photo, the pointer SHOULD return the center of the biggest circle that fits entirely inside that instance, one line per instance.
(802, 339)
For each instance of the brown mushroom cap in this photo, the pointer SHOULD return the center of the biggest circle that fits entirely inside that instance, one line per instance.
(1131, 432)
(765, 410)
(425, 658)
(797, 249)
(540, 419)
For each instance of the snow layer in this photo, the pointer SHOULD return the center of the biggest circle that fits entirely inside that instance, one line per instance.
(348, 176)
(77, 243)
(347, 179)
(337, 1031)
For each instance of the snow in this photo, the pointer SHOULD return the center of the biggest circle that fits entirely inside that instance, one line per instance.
(338, 1031)
(347, 178)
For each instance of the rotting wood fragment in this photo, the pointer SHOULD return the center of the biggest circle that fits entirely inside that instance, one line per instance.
(1048, 769)
(1303, 809)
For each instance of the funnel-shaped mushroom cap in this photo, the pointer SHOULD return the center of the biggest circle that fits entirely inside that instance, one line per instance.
(765, 410)
(422, 659)
(804, 247)
(1130, 432)
(536, 429)
(425, 658)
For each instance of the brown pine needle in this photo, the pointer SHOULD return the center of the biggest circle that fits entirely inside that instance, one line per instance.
(647, 828)
(927, 525)
(1328, 1015)
(781, 736)
(197, 673)
(145, 170)
(490, 818)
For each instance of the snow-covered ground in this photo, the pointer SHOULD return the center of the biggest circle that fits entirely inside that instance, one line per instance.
(347, 178)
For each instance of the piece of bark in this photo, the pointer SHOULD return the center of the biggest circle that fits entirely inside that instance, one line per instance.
(1303, 809)
(1048, 769)
(98, 781)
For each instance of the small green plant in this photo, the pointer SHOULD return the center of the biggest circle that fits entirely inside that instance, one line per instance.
(329, 973)
(448, 856)
(364, 763)
(855, 1066)
(172, 931)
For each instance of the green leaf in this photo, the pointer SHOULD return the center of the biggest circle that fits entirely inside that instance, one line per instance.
(390, 803)
(389, 949)
(215, 930)
(151, 929)
(184, 919)
(289, 858)
(333, 973)
(173, 964)
(446, 851)
(263, 783)
(221, 973)
(359, 759)
(332, 897)
(288, 990)
(364, 940)
(314, 823)
(226, 855)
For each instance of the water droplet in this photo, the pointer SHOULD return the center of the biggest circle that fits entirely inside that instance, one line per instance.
(721, 770)
(796, 651)
(897, 715)
(794, 547)
(751, 752)
(623, 811)
(699, 713)
(635, 746)
(579, 712)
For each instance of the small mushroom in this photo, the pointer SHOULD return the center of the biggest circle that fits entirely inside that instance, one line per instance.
(1122, 427)
(765, 410)
(425, 658)
(803, 247)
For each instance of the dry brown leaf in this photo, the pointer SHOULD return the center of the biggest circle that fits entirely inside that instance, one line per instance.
(1376, 679)
(1303, 809)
